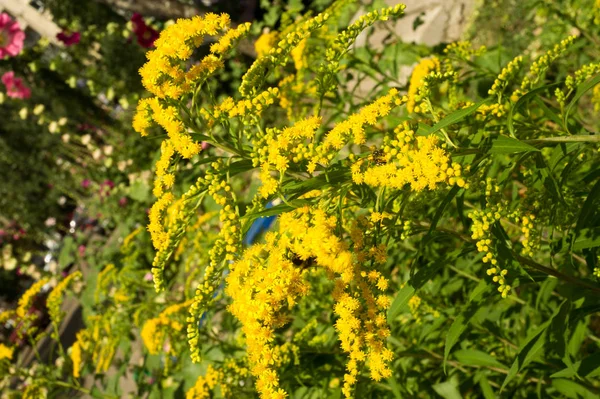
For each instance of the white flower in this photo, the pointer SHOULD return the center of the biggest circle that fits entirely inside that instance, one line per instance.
(85, 139)
(38, 109)
(53, 127)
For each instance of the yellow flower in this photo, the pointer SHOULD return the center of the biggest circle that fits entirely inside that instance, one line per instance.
(6, 352)
(265, 43)
(422, 69)
(27, 298)
(54, 301)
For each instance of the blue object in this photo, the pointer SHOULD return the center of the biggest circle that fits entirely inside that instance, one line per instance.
(259, 226)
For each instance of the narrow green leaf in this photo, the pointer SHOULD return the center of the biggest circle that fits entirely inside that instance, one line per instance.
(529, 350)
(508, 145)
(571, 389)
(239, 167)
(486, 389)
(581, 90)
(588, 367)
(67, 252)
(587, 238)
(447, 390)
(456, 116)
(526, 354)
(400, 300)
(460, 323)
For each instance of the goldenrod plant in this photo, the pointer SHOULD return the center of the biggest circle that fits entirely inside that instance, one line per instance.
(310, 237)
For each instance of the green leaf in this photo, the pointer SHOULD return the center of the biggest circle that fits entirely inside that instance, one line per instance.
(529, 350)
(588, 367)
(447, 390)
(66, 255)
(571, 389)
(456, 116)
(139, 191)
(462, 320)
(239, 167)
(395, 387)
(581, 90)
(527, 353)
(474, 357)
(507, 145)
(400, 300)
(587, 238)
(486, 389)
(525, 98)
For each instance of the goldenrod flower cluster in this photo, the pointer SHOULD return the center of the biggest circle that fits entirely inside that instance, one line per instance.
(165, 76)
(353, 129)
(540, 65)
(261, 285)
(278, 148)
(464, 50)
(483, 222)
(26, 299)
(497, 110)
(155, 330)
(270, 277)
(103, 280)
(278, 55)
(507, 74)
(342, 42)
(419, 309)
(96, 340)
(54, 301)
(204, 384)
(248, 111)
(481, 231)
(265, 43)
(423, 68)
(181, 215)
(35, 390)
(572, 81)
(530, 237)
(596, 98)
(6, 352)
(224, 249)
(75, 352)
(407, 159)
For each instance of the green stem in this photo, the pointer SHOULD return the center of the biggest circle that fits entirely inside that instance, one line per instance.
(591, 138)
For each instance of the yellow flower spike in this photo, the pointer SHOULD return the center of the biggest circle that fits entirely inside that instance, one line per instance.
(422, 69)
(54, 301)
(27, 298)
(6, 352)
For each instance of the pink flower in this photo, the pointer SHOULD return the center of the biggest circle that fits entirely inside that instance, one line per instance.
(86, 183)
(81, 250)
(11, 36)
(69, 39)
(146, 35)
(14, 86)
